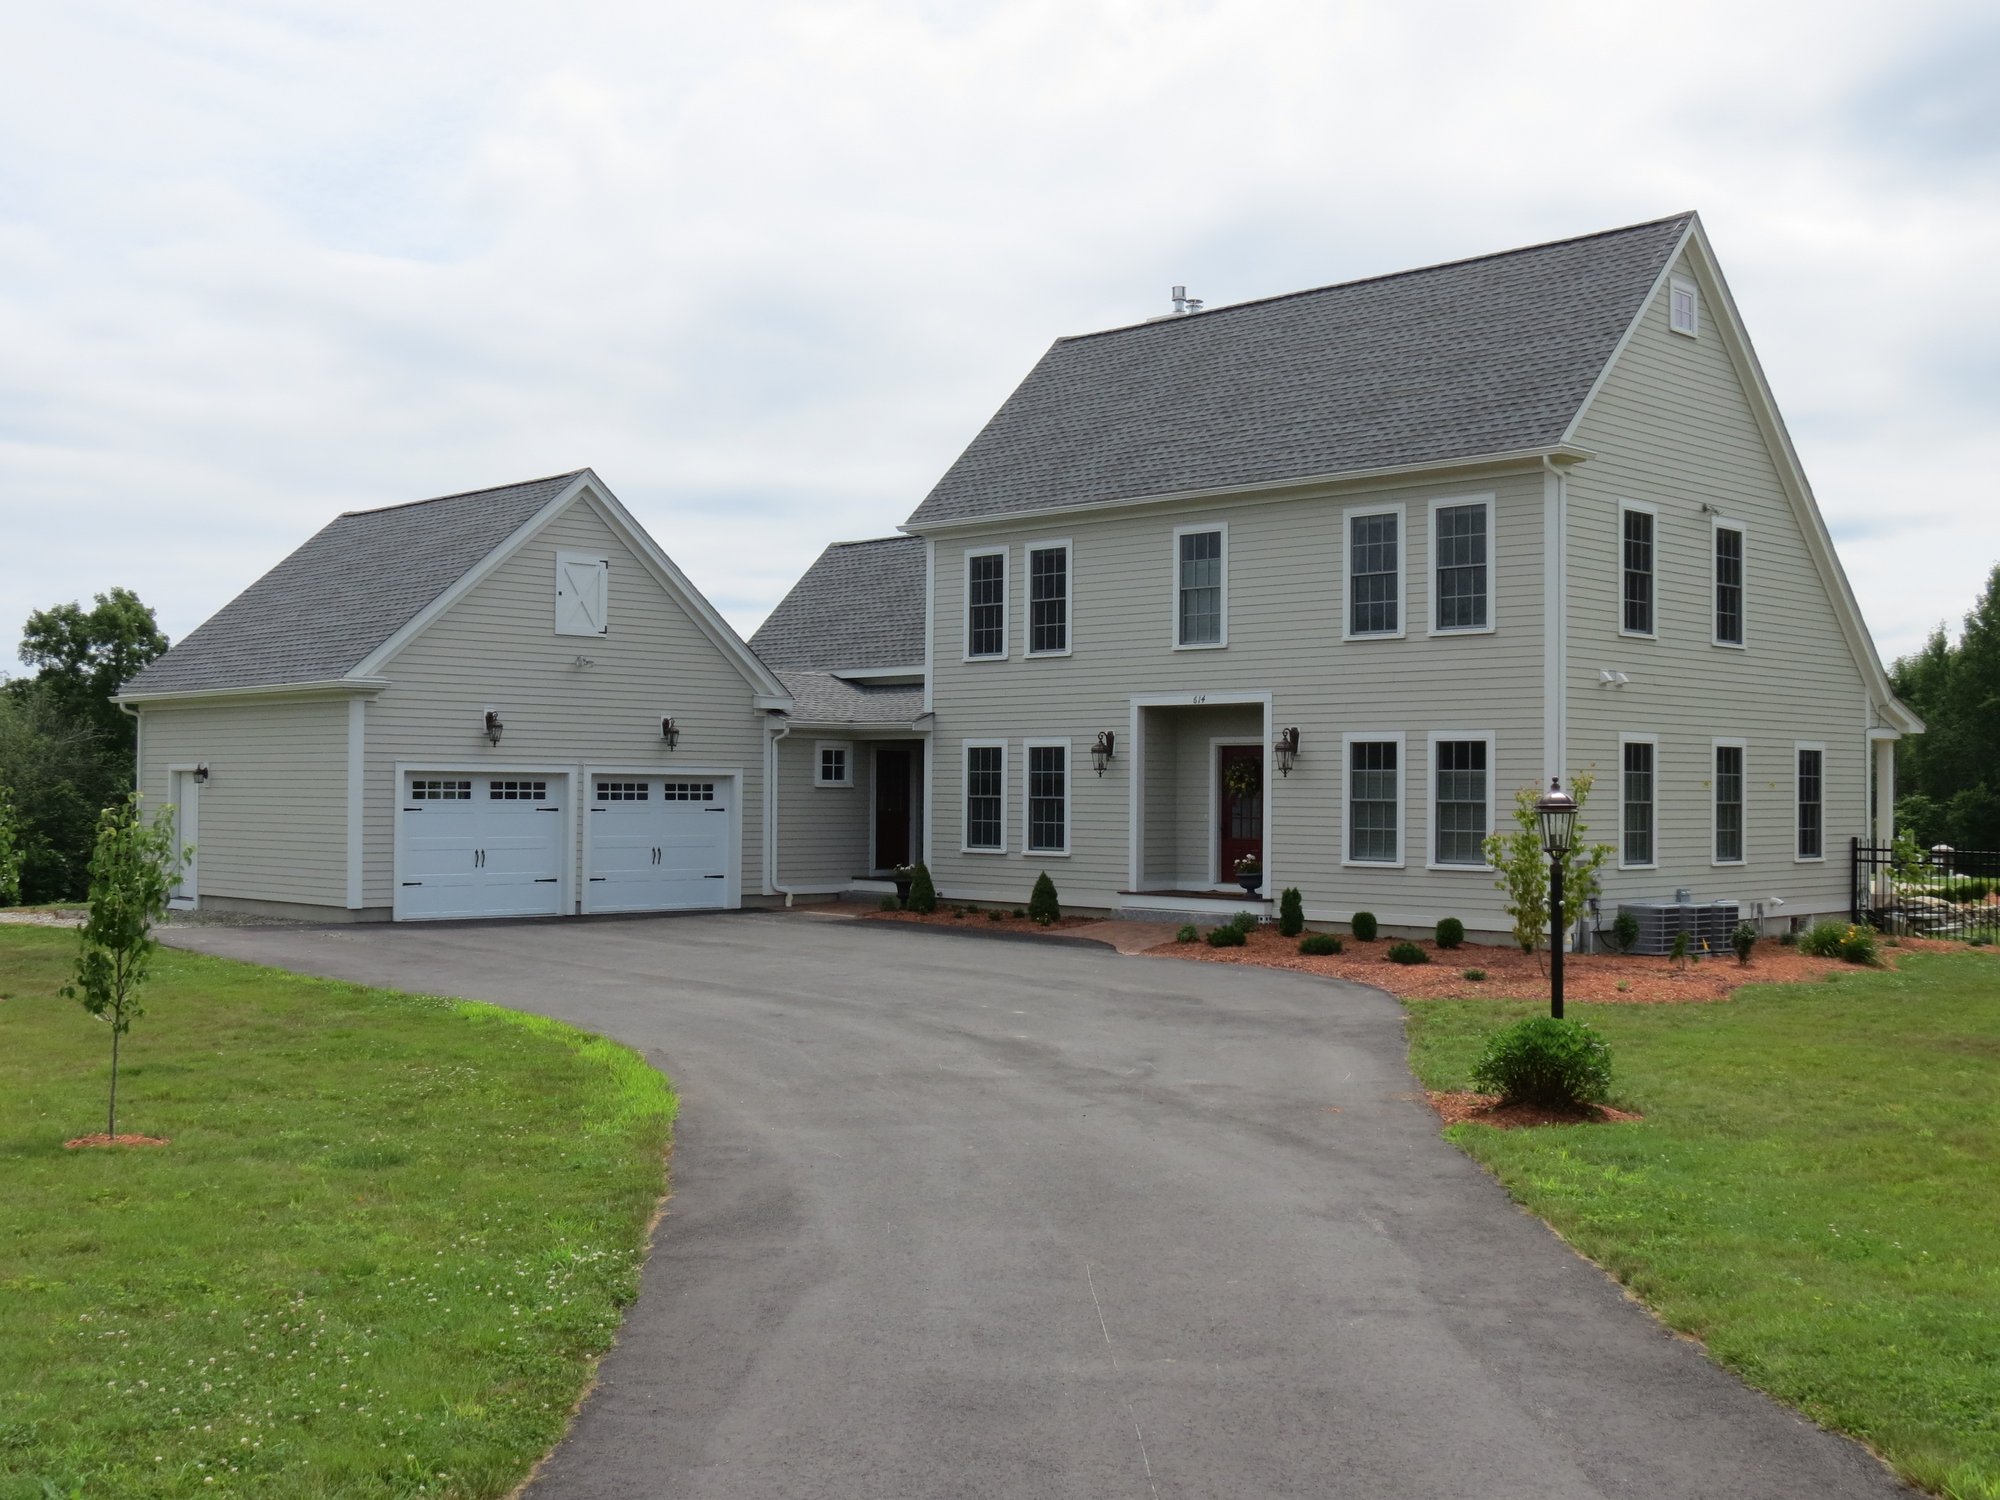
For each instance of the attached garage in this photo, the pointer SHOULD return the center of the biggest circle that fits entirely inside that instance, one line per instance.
(660, 843)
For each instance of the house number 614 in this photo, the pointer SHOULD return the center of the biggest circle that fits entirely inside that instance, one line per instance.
(1198, 698)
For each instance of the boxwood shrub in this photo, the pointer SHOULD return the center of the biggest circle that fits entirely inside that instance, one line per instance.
(1545, 1061)
(1450, 933)
(1363, 924)
(1228, 935)
(1291, 913)
(1319, 944)
(1406, 953)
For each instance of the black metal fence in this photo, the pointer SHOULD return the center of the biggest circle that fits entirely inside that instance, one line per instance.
(1941, 892)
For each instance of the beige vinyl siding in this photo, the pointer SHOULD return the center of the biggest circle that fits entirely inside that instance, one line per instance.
(1673, 427)
(1286, 581)
(497, 645)
(822, 830)
(273, 814)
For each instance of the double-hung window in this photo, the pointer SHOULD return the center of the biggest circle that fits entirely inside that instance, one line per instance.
(1375, 572)
(1201, 586)
(986, 603)
(1638, 763)
(1811, 802)
(1048, 599)
(1048, 797)
(1729, 802)
(1374, 799)
(1461, 542)
(1728, 585)
(1461, 798)
(1635, 528)
(986, 797)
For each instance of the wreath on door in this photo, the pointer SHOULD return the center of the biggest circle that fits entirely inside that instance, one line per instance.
(1243, 778)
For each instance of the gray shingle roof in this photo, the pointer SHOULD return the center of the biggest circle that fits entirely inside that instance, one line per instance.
(822, 698)
(354, 584)
(1453, 361)
(860, 605)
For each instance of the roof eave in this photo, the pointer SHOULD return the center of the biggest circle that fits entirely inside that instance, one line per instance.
(352, 686)
(1561, 453)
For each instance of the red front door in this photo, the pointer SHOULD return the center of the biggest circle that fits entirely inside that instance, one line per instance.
(1241, 806)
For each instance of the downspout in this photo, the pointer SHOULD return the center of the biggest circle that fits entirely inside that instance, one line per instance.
(138, 748)
(771, 886)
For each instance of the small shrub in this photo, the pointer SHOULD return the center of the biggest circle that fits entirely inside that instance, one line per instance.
(923, 894)
(1020, 912)
(1363, 924)
(994, 914)
(1291, 913)
(1743, 939)
(1319, 944)
(1981, 942)
(1857, 946)
(1188, 934)
(1450, 933)
(1679, 952)
(1406, 953)
(1229, 935)
(1624, 986)
(1042, 905)
(1477, 976)
(1545, 1061)
(1625, 932)
(890, 903)
(1244, 922)
(1788, 939)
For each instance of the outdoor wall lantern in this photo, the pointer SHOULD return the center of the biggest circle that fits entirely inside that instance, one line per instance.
(670, 732)
(1285, 750)
(493, 726)
(201, 774)
(1102, 751)
(1557, 814)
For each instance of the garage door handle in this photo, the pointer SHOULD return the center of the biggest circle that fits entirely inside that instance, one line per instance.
(598, 877)
(715, 809)
(547, 879)
(548, 809)
(413, 882)
(715, 877)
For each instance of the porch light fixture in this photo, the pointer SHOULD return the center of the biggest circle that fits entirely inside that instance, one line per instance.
(1102, 751)
(1556, 812)
(670, 732)
(1285, 750)
(201, 774)
(493, 726)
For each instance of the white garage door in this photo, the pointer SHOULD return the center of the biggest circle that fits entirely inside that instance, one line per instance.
(480, 846)
(658, 843)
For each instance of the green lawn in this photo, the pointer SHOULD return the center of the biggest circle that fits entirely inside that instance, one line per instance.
(1814, 1192)
(389, 1238)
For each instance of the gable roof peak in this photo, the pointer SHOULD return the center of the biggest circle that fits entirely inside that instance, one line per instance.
(560, 481)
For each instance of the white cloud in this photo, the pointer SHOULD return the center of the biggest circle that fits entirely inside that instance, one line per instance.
(768, 268)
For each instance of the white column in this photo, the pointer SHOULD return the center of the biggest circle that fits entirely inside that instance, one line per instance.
(1885, 791)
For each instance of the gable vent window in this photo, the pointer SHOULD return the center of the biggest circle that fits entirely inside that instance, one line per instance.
(623, 791)
(1683, 311)
(518, 791)
(582, 594)
(441, 791)
(1728, 585)
(986, 604)
(1637, 529)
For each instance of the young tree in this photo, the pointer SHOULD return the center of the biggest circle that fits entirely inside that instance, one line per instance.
(131, 875)
(1522, 866)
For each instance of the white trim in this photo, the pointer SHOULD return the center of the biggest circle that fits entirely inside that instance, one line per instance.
(1431, 742)
(1631, 329)
(930, 802)
(568, 774)
(965, 794)
(1348, 741)
(930, 620)
(1348, 517)
(1028, 551)
(187, 832)
(1798, 858)
(873, 812)
(1488, 500)
(1555, 620)
(846, 749)
(732, 885)
(1564, 452)
(1723, 742)
(1675, 286)
(1069, 797)
(325, 686)
(1135, 803)
(1221, 642)
(1654, 831)
(357, 761)
(965, 601)
(1718, 525)
(1211, 875)
(1644, 507)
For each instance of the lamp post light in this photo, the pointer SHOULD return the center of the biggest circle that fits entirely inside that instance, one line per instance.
(1557, 814)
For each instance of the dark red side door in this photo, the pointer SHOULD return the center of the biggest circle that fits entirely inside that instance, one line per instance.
(1242, 830)
(892, 807)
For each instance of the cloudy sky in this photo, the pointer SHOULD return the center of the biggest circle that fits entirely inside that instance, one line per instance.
(767, 268)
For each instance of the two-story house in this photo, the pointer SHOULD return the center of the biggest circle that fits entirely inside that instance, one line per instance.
(1325, 578)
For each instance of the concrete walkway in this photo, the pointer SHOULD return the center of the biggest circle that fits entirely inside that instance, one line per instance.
(956, 1217)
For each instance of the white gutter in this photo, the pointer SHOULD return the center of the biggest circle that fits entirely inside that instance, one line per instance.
(771, 886)
(262, 689)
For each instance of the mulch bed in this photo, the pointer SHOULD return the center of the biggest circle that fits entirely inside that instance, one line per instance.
(1002, 917)
(1514, 975)
(1486, 1109)
(101, 1139)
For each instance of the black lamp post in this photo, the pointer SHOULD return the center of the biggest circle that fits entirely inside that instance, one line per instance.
(1557, 812)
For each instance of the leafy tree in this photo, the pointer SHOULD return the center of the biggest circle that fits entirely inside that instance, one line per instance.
(62, 776)
(83, 656)
(1948, 778)
(131, 875)
(1522, 866)
(10, 849)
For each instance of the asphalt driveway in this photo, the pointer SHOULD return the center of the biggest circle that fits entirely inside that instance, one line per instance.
(955, 1217)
